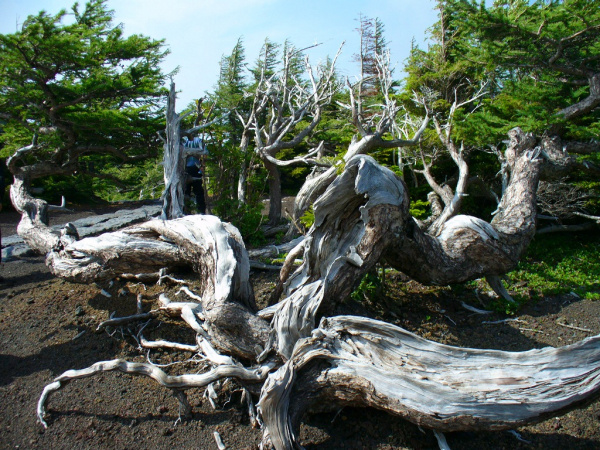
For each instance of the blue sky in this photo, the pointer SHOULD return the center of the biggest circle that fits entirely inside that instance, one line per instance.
(199, 32)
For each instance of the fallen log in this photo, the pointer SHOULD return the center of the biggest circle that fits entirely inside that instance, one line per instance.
(14, 246)
(355, 361)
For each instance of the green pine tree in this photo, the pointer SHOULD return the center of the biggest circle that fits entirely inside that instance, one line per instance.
(88, 97)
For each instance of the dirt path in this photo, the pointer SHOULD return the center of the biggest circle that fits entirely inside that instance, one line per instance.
(48, 326)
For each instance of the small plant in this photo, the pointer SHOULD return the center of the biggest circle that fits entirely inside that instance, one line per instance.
(418, 209)
(504, 307)
(337, 161)
(370, 286)
(308, 218)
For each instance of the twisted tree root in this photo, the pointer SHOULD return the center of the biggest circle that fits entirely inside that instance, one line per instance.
(178, 382)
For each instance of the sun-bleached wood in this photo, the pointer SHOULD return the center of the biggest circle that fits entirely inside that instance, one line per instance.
(361, 218)
(355, 361)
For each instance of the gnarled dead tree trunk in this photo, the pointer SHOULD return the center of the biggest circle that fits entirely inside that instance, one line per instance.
(33, 227)
(362, 217)
(175, 155)
(373, 130)
(356, 361)
(174, 163)
(467, 247)
(213, 248)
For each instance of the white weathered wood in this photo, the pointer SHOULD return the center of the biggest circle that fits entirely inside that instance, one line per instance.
(173, 162)
(187, 381)
(33, 227)
(97, 224)
(372, 363)
(62, 160)
(362, 217)
(469, 248)
(215, 249)
(358, 216)
(272, 251)
(219, 441)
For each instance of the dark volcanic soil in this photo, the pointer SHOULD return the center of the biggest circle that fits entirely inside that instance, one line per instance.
(48, 326)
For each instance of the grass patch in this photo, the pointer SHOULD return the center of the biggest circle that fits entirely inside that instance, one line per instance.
(559, 263)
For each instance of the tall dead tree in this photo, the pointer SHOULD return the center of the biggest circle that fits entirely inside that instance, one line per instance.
(294, 108)
(173, 162)
(258, 106)
(175, 154)
(377, 127)
(372, 46)
(299, 357)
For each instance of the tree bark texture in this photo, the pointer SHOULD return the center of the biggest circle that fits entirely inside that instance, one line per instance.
(356, 361)
(468, 247)
(275, 196)
(561, 159)
(214, 249)
(174, 164)
(33, 226)
(314, 187)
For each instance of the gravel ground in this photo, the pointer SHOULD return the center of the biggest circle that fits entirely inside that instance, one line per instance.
(48, 326)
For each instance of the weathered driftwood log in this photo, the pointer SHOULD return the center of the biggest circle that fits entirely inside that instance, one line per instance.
(213, 248)
(362, 217)
(357, 361)
(62, 160)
